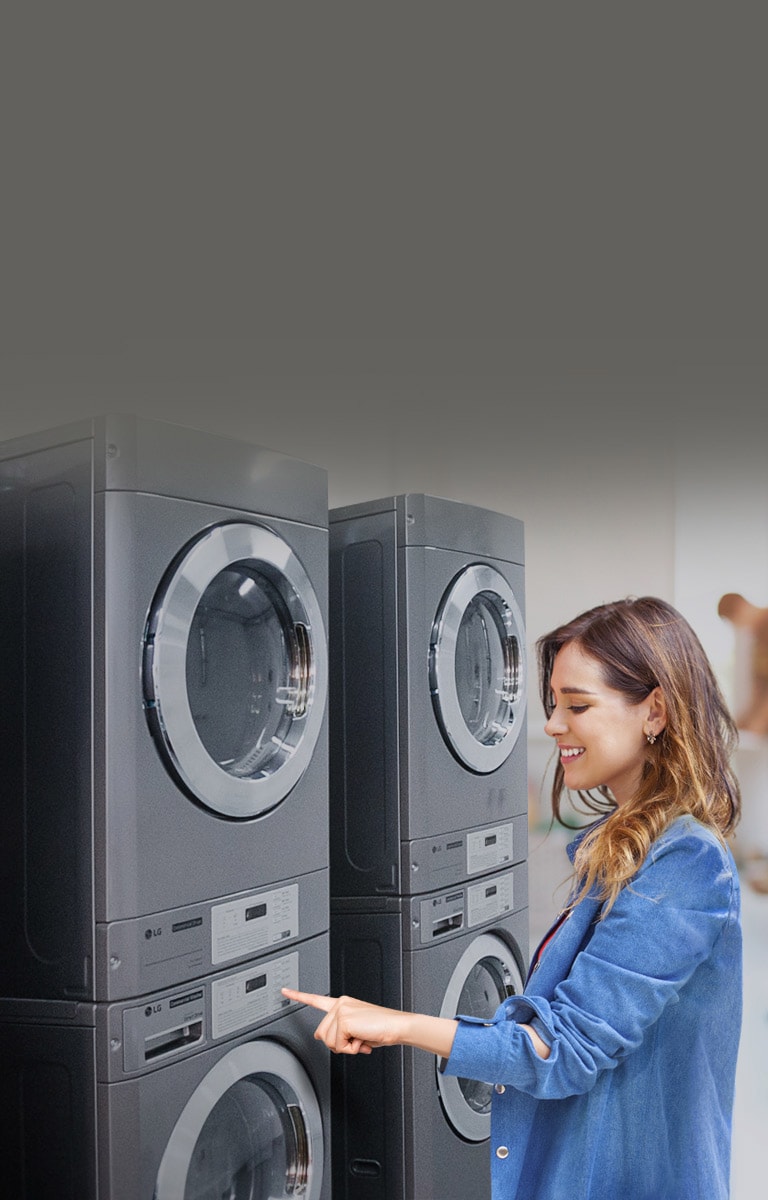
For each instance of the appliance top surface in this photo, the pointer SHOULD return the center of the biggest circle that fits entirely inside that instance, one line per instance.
(434, 521)
(132, 453)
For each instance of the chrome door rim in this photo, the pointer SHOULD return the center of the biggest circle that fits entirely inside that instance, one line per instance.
(476, 579)
(259, 1057)
(474, 1126)
(165, 677)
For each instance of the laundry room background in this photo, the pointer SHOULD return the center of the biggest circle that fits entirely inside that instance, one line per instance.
(604, 512)
(425, 251)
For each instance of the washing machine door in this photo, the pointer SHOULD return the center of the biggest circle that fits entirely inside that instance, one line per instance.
(236, 669)
(485, 975)
(251, 1130)
(477, 668)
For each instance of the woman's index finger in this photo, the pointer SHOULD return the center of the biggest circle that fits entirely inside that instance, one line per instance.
(325, 1003)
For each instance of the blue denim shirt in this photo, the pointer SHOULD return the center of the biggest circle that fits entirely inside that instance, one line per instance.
(642, 1012)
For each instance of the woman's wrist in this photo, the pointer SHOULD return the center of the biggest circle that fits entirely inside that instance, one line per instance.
(433, 1034)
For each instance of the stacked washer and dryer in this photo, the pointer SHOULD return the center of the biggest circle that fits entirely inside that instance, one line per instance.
(429, 830)
(164, 757)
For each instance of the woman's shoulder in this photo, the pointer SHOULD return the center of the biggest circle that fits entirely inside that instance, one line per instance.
(691, 855)
(687, 830)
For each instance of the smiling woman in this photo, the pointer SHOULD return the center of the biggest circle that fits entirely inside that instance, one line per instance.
(601, 735)
(629, 692)
(614, 1070)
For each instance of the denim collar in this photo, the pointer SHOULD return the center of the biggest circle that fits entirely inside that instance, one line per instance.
(574, 844)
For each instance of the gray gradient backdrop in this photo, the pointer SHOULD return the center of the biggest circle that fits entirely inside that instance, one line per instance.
(509, 254)
(513, 254)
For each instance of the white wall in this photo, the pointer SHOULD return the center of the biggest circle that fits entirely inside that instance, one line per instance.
(721, 522)
(721, 525)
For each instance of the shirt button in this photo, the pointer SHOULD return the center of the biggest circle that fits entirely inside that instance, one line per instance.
(502, 1152)
(500, 1089)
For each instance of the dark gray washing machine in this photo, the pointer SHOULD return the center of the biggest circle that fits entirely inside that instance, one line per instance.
(163, 738)
(403, 1130)
(214, 1089)
(428, 681)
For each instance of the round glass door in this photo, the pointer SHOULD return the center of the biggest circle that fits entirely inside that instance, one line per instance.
(477, 668)
(485, 975)
(235, 669)
(251, 1130)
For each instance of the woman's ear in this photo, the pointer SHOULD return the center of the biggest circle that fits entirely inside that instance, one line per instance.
(657, 712)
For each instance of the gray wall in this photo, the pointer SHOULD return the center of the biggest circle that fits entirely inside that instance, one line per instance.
(501, 256)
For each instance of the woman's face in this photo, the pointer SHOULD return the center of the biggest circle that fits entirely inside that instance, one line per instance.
(602, 738)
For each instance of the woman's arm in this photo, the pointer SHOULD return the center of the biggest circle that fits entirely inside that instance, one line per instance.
(663, 926)
(354, 1027)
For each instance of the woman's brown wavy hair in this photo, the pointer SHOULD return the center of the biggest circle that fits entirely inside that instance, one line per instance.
(642, 644)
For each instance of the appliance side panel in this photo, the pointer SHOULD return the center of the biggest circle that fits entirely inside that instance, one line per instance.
(365, 827)
(46, 938)
(47, 1092)
(367, 1090)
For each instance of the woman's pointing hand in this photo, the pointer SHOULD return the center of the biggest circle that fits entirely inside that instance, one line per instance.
(353, 1026)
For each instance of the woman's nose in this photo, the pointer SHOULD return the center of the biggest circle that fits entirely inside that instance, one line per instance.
(554, 725)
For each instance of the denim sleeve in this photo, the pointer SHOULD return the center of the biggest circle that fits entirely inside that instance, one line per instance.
(662, 926)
